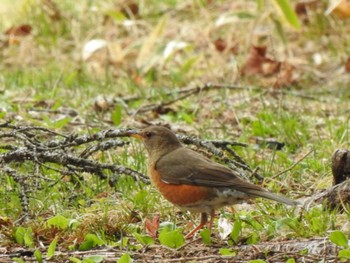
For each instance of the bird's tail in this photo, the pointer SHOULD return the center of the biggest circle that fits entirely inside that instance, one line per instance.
(271, 196)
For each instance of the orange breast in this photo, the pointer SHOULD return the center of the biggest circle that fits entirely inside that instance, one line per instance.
(179, 194)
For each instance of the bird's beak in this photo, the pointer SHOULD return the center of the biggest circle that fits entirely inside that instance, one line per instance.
(134, 134)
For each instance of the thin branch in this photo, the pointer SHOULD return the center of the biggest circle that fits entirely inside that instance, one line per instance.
(292, 166)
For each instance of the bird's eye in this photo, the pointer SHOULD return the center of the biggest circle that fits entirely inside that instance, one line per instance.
(148, 134)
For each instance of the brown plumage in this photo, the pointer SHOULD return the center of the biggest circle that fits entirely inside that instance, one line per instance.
(192, 181)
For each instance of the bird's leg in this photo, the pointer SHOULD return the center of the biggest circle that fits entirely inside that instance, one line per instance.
(212, 215)
(204, 220)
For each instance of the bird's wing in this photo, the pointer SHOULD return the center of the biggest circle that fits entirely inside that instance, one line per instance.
(184, 166)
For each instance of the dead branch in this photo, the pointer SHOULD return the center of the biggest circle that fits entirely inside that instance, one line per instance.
(334, 197)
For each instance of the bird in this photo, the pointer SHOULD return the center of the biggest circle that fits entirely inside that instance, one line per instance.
(192, 181)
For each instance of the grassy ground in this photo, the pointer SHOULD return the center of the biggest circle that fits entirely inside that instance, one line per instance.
(48, 80)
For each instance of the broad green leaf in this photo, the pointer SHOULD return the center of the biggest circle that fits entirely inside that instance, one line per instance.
(172, 239)
(257, 261)
(91, 240)
(75, 260)
(166, 226)
(116, 15)
(253, 239)
(19, 235)
(144, 239)
(290, 260)
(38, 256)
(339, 238)
(344, 254)
(288, 12)
(93, 259)
(28, 238)
(227, 252)
(52, 248)
(236, 231)
(205, 234)
(125, 259)
(58, 221)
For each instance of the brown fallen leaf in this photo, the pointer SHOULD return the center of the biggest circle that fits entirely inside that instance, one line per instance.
(130, 9)
(152, 226)
(303, 7)
(347, 65)
(259, 63)
(221, 45)
(19, 31)
(286, 76)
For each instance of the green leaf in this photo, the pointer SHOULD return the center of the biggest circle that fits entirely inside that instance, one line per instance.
(145, 240)
(58, 221)
(61, 123)
(166, 226)
(290, 260)
(125, 258)
(236, 231)
(90, 241)
(123, 242)
(172, 239)
(19, 235)
(28, 238)
(257, 261)
(38, 256)
(288, 13)
(75, 260)
(253, 239)
(93, 259)
(117, 115)
(116, 15)
(339, 238)
(227, 252)
(205, 234)
(344, 254)
(18, 260)
(52, 248)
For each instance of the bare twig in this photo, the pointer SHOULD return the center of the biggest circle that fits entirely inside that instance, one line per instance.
(292, 166)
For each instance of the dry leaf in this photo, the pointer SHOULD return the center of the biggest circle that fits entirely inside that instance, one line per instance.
(130, 9)
(149, 45)
(19, 31)
(172, 47)
(347, 65)
(301, 9)
(152, 226)
(258, 63)
(220, 44)
(92, 47)
(286, 76)
(340, 8)
(51, 9)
